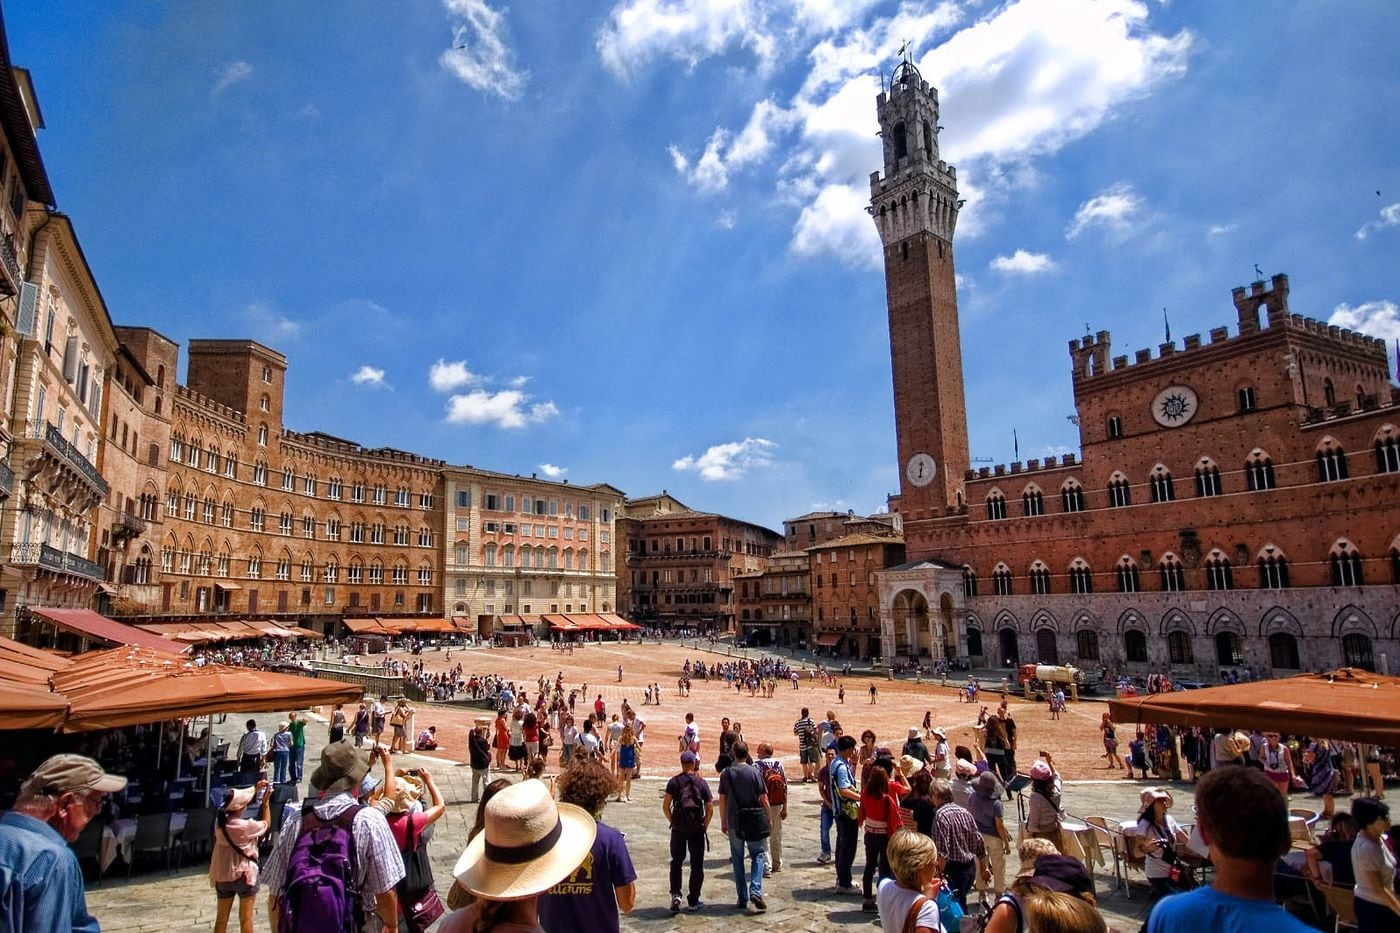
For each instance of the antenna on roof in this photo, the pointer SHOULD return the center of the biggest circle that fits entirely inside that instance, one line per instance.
(1258, 273)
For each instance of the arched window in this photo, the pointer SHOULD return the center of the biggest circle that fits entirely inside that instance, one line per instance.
(1040, 579)
(1346, 565)
(1207, 478)
(1273, 570)
(1283, 652)
(1179, 650)
(1356, 651)
(1173, 574)
(1331, 461)
(1161, 485)
(928, 141)
(969, 582)
(996, 505)
(1128, 578)
(1119, 491)
(1244, 397)
(901, 142)
(1072, 497)
(1387, 451)
(1086, 645)
(1259, 472)
(1135, 647)
(1001, 580)
(1081, 578)
(1219, 574)
(1045, 646)
(1229, 649)
(1115, 427)
(1032, 502)
(1329, 393)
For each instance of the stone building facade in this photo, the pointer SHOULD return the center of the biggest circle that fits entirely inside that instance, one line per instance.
(773, 606)
(521, 545)
(846, 591)
(1235, 504)
(681, 564)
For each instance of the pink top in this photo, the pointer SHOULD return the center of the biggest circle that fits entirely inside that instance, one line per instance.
(230, 864)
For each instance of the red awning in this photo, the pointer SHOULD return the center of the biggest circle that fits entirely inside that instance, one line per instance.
(89, 624)
(365, 626)
(417, 624)
(828, 639)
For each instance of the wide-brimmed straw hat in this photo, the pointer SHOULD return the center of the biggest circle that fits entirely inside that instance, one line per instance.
(964, 768)
(1152, 794)
(1041, 770)
(530, 844)
(239, 798)
(908, 764)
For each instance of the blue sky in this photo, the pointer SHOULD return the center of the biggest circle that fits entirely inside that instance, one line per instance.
(626, 243)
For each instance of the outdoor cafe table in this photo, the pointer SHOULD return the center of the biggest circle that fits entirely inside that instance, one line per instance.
(118, 835)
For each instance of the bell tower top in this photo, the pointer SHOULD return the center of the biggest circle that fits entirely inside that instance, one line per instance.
(918, 191)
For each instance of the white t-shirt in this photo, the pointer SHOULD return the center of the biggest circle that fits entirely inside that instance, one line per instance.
(1367, 859)
(692, 734)
(1153, 866)
(895, 903)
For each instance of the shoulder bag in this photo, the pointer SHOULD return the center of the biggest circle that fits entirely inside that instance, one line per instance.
(419, 904)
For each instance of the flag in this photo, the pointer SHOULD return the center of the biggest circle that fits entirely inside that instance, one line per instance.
(1167, 324)
(1016, 445)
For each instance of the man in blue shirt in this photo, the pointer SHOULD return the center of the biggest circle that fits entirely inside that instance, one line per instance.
(1244, 820)
(41, 883)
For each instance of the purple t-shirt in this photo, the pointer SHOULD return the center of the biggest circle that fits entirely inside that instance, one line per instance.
(585, 900)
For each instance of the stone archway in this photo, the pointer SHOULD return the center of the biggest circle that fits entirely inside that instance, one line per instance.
(946, 638)
(1010, 655)
(911, 623)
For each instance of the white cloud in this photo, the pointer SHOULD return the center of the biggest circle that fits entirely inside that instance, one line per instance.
(1015, 86)
(479, 56)
(444, 376)
(1390, 217)
(1221, 229)
(552, 471)
(270, 324)
(368, 376)
(726, 153)
(1114, 208)
(1024, 263)
(729, 461)
(1373, 318)
(688, 31)
(505, 409)
(232, 73)
(517, 382)
(726, 220)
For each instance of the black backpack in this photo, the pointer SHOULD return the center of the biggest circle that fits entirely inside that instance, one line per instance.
(688, 813)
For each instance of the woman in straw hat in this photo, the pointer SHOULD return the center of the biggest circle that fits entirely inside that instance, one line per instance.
(233, 868)
(530, 844)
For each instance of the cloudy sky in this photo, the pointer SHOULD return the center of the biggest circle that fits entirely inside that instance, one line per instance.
(627, 243)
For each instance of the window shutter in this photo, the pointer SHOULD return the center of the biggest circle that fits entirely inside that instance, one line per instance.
(70, 360)
(28, 308)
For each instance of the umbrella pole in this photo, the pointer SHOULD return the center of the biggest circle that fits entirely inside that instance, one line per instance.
(209, 761)
(160, 740)
(180, 753)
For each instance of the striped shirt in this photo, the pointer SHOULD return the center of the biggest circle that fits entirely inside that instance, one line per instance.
(956, 834)
(380, 864)
(806, 732)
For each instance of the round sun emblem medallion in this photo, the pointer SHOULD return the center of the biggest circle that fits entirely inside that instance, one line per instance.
(1174, 406)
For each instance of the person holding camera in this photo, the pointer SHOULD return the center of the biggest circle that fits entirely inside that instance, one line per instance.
(1157, 840)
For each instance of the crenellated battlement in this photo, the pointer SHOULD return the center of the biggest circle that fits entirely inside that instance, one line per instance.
(197, 400)
(1028, 468)
(326, 443)
(1090, 358)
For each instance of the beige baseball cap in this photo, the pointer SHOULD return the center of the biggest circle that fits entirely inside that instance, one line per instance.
(64, 773)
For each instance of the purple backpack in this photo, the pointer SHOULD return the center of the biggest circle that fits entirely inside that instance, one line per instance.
(321, 891)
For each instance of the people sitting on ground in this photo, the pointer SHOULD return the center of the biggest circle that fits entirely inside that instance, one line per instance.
(427, 740)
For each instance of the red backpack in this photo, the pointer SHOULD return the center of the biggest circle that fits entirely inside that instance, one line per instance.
(775, 786)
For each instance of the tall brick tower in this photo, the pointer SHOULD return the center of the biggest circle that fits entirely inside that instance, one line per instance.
(915, 207)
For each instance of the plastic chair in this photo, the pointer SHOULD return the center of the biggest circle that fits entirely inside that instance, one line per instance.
(1108, 835)
(152, 835)
(1342, 902)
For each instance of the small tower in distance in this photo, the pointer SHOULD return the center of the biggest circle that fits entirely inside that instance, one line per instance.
(914, 203)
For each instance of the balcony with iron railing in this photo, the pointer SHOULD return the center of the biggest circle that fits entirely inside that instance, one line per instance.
(126, 525)
(51, 558)
(72, 457)
(9, 265)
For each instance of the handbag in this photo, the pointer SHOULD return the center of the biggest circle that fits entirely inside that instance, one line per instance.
(419, 904)
(950, 912)
(753, 824)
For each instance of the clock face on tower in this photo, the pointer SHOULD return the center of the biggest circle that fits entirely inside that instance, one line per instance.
(921, 469)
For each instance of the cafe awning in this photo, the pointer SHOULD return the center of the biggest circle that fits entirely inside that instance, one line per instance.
(126, 686)
(514, 621)
(828, 639)
(417, 624)
(30, 706)
(24, 664)
(89, 624)
(365, 626)
(618, 622)
(226, 585)
(1348, 705)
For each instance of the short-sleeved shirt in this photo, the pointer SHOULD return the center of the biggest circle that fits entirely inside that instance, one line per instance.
(586, 900)
(1208, 909)
(43, 883)
(895, 902)
(1153, 866)
(985, 812)
(1367, 858)
(806, 732)
(380, 864)
(298, 730)
(673, 790)
(739, 785)
(841, 776)
(1337, 853)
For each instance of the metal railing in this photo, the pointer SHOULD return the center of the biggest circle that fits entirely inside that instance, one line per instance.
(127, 524)
(51, 558)
(10, 263)
(74, 458)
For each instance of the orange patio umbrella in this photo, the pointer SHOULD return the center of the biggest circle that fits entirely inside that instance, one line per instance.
(1347, 704)
(30, 706)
